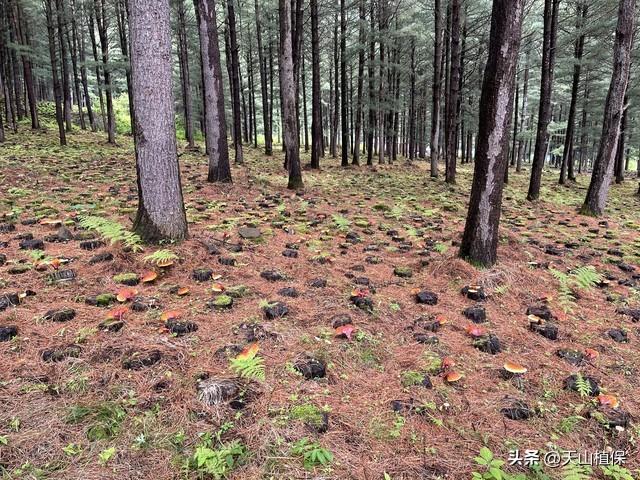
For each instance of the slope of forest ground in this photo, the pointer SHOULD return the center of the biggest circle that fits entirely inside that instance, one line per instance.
(87, 397)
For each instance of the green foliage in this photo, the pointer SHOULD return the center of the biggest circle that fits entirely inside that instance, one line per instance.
(583, 386)
(312, 453)
(574, 471)
(160, 257)
(492, 468)
(112, 231)
(105, 419)
(616, 472)
(308, 413)
(107, 454)
(220, 461)
(249, 365)
(582, 278)
(342, 223)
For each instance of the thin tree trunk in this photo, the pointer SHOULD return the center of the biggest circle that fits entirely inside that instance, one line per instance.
(451, 148)
(596, 198)
(567, 154)
(316, 100)
(343, 85)
(436, 88)
(235, 78)
(213, 93)
(288, 96)
(185, 76)
(546, 85)
(57, 88)
(103, 28)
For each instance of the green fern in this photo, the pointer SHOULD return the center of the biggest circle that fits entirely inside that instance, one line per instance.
(574, 471)
(249, 365)
(616, 472)
(341, 222)
(583, 386)
(582, 278)
(160, 257)
(112, 231)
(586, 277)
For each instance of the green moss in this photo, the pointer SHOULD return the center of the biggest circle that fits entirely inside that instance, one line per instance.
(126, 278)
(222, 301)
(105, 299)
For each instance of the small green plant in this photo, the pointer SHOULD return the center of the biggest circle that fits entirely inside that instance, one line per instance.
(106, 419)
(583, 386)
(105, 455)
(440, 247)
(312, 453)
(248, 364)
(582, 278)
(161, 257)
(492, 468)
(616, 472)
(72, 449)
(220, 461)
(112, 231)
(575, 471)
(341, 222)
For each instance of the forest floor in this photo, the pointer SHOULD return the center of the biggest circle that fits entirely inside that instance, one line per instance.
(120, 391)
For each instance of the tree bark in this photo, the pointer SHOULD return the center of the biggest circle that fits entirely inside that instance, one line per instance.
(235, 78)
(316, 99)
(57, 88)
(480, 239)
(436, 87)
(361, 58)
(213, 93)
(451, 147)
(185, 75)
(567, 154)
(161, 214)
(288, 95)
(596, 198)
(66, 88)
(546, 84)
(103, 33)
(343, 85)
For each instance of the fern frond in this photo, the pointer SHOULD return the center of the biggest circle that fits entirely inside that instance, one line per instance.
(160, 257)
(112, 231)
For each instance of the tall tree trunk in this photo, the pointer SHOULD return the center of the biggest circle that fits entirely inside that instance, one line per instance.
(524, 115)
(567, 154)
(316, 99)
(436, 87)
(185, 76)
(361, 55)
(22, 26)
(57, 88)
(451, 147)
(161, 214)
(235, 77)
(336, 92)
(266, 123)
(372, 85)
(72, 43)
(596, 198)
(213, 93)
(66, 88)
(94, 49)
(382, 14)
(103, 33)
(546, 84)
(480, 239)
(85, 80)
(343, 85)
(288, 96)
(121, 21)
